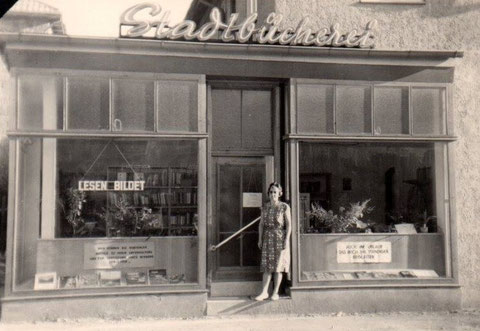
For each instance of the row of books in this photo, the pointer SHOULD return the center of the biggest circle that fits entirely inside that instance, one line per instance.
(182, 219)
(106, 278)
(159, 221)
(383, 274)
(165, 198)
(155, 199)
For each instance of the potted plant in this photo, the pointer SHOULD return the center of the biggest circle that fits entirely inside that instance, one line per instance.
(424, 221)
(346, 221)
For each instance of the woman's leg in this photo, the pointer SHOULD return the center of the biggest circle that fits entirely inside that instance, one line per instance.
(267, 276)
(277, 279)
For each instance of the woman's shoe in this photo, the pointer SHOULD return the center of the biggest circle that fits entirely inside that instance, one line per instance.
(261, 297)
(274, 297)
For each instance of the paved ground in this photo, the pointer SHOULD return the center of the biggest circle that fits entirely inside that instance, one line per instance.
(463, 320)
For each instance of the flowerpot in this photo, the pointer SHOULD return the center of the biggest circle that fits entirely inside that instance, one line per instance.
(424, 229)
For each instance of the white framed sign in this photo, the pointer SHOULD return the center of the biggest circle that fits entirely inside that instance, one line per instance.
(251, 200)
(132, 254)
(364, 252)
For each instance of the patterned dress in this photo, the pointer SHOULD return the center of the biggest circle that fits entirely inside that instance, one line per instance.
(274, 257)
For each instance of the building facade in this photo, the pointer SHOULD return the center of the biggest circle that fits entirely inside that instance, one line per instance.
(132, 158)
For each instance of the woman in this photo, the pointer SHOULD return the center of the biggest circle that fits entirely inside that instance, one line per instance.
(274, 241)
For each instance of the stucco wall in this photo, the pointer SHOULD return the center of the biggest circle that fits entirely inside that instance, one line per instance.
(437, 25)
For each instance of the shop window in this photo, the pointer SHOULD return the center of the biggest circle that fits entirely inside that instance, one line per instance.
(88, 104)
(376, 219)
(133, 105)
(429, 115)
(391, 110)
(353, 107)
(40, 103)
(105, 213)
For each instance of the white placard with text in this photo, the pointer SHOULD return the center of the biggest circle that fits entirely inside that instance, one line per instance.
(364, 252)
(119, 255)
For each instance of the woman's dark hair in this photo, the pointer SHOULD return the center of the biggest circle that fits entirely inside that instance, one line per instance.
(277, 185)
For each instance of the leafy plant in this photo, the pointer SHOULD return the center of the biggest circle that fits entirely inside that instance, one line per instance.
(124, 220)
(347, 219)
(75, 201)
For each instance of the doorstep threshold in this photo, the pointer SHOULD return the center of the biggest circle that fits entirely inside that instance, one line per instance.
(242, 298)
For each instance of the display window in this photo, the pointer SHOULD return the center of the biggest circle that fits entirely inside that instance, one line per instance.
(374, 210)
(372, 181)
(104, 198)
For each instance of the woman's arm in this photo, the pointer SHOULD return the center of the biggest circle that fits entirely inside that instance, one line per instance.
(260, 230)
(288, 226)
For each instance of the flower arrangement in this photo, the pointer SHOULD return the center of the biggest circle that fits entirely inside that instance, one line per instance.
(347, 219)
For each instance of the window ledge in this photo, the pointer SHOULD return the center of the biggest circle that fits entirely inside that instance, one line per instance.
(117, 292)
(394, 2)
(442, 283)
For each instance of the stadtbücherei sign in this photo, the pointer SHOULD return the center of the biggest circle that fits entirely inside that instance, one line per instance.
(157, 26)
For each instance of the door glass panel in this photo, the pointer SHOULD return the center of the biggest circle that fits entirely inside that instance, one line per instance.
(251, 253)
(228, 211)
(230, 253)
(233, 181)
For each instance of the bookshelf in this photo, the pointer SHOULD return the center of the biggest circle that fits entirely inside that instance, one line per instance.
(170, 197)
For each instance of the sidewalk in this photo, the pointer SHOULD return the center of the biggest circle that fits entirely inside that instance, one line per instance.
(464, 320)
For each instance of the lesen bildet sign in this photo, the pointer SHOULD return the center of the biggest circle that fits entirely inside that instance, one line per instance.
(157, 26)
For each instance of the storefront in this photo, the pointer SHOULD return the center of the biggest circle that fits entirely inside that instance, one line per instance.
(131, 158)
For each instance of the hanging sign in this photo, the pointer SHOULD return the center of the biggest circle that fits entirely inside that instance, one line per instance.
(105, 185)
(364, 252)
(252, 199)
(157, 26)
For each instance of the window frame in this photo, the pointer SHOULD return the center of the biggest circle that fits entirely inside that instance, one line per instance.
(15, 135)
(292, 141)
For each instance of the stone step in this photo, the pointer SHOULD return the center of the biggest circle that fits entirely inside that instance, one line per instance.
(235, 288)
(224, 306)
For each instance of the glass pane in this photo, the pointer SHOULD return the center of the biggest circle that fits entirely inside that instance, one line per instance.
(133, 105)
(391, 110)
(353, 109)
(226, 119)
(40, 102)
(228, 209)
(88, 104)
(315, 108)
(251, 253)
(141, 183)
(428, 110)
(401, 193)
(256, 119)
(177, 106)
